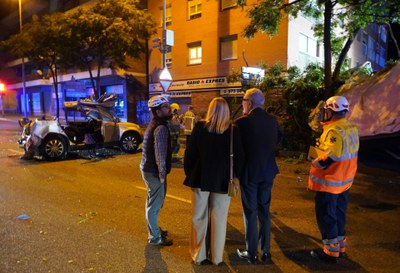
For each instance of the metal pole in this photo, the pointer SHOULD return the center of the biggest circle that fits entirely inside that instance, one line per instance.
(164, 47)
(23, 65)
(2, 104)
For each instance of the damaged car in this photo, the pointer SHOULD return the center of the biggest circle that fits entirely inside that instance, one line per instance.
(93, 126)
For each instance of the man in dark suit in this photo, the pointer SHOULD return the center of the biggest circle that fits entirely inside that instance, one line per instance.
(260, 134)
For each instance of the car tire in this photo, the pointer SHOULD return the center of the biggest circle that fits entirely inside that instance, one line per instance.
(53, 148)
(129, 142)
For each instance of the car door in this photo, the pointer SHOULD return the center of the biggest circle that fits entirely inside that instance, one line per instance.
(110, 131)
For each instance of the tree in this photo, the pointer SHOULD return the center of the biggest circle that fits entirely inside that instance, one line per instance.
(104, 34)
(42, 42)
(290, 96)
(100, 35)
(350, 15)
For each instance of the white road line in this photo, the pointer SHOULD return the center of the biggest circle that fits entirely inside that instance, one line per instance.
(169, 195)
(15, 151)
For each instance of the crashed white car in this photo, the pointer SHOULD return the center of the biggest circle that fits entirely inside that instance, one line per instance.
(96, 128)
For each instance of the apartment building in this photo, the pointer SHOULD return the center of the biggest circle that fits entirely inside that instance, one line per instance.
(371, 46)
(208, 47)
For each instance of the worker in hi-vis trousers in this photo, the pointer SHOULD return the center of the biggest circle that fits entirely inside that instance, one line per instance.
(331, 176)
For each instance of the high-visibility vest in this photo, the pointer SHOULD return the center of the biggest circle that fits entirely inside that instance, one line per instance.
(189, 119)
(340, 141)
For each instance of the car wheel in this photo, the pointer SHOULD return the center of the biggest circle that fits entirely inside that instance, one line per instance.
(53, 148)
(129, 142)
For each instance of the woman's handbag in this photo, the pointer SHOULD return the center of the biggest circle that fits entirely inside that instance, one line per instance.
(233, 187)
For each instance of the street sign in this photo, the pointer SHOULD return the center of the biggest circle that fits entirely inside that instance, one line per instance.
(165, 84)
(165, 79)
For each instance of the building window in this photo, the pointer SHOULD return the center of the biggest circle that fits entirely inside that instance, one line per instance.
(195, 53)
(383, 34)
(308, 51)
(168, 15)
(229, 48)
(308, 45)
(226, 4)
(194, 9)
(371, 48)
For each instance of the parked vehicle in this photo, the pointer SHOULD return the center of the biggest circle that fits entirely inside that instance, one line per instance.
(94, 126)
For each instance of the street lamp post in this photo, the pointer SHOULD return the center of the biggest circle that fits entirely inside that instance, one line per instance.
(23, 65)
(164, 33)
(167, 41)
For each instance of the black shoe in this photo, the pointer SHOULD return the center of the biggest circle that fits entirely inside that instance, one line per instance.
(320, 254)
(243, 254)
(266, 258)
(161, 241)
(203, 262)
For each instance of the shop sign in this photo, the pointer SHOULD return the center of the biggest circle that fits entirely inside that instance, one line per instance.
(232, 92)
(204, 83)
(75, 85)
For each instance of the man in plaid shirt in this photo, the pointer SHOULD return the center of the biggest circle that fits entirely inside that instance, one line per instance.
(155, 165)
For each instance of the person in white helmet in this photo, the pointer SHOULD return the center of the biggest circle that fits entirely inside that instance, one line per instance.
(174, 125)
(155, 165)
(331, 176)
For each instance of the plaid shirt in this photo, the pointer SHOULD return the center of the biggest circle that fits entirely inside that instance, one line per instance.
(160, 150)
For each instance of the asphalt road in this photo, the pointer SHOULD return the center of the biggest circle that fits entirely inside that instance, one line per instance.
(86, 214)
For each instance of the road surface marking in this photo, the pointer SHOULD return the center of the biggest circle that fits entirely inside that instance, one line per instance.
(169, 195)
(14, 153)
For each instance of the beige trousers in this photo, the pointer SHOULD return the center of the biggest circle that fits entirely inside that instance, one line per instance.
(209, 219)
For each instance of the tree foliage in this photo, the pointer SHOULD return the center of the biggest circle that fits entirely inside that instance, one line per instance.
(290, 96)
(42, 42)
(104, 34)
(349, 15)
(89, 37)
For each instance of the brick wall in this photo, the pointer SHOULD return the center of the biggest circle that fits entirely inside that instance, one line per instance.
(201, 100)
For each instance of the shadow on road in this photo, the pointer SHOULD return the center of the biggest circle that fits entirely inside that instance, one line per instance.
(154, 260)
(297, 246)
(236, 239)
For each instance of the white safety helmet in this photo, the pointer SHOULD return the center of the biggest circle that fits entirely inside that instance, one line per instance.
(337, 104)
(175, 106)
(157, 101)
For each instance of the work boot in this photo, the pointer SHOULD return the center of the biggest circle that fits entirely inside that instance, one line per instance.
(320, 254)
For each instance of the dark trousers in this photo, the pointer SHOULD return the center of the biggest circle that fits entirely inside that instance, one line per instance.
(330, 210)
(187, 140)
(256, 200)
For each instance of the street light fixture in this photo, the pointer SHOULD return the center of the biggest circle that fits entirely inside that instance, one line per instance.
(23, 66)
(165, 79)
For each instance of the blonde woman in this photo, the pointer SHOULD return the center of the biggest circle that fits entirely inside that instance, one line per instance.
(206, 167)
